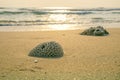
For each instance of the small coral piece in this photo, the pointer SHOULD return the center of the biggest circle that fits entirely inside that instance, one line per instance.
(47, 49)
(95, 31)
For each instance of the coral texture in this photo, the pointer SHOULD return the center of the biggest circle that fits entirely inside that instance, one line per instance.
(47, 49)
(95, 31)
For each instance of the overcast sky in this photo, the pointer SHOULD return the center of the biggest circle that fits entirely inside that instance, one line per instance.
(61, 3)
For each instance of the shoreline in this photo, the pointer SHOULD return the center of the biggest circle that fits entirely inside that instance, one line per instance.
(47, 28)
(54, 30)
(85, 57)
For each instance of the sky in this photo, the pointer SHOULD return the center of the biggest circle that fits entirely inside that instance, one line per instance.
(61, 3)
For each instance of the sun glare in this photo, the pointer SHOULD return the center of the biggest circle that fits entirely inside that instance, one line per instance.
(57, 17)
(59, 27)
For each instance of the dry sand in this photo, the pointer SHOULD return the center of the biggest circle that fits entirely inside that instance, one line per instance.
(85, 57)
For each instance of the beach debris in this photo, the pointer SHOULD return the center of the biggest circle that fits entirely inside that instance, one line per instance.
(47, 49)
(95, 31)
(35, 61)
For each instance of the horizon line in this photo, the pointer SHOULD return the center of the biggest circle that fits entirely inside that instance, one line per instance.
(64, 7)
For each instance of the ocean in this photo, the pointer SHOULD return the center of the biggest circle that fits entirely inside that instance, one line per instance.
(33, 19)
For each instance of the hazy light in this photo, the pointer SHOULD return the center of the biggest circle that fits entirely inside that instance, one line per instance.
(57, 7)
(58, 4)
(58, 17)
(59, 27)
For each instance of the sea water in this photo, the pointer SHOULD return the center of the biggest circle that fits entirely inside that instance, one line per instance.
(34, 19)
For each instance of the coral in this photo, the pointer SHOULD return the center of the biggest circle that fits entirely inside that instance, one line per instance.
(47, 49)
(95, 31)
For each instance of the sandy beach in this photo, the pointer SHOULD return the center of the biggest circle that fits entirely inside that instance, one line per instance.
(85, 57)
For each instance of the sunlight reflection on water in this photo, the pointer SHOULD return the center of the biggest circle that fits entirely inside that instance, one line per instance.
(56, 18)
(60, 27)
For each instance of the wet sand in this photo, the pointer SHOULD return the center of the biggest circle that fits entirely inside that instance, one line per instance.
(85, 57)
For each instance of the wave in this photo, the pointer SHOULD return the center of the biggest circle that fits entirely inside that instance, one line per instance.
(115, 12)
(32, 16)
(9, 12)
(23, 21)
(30, 23)
(103, 20)
(71, 9)
(98, 18)
(39, 12)
(44, 12)
(27, 22)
